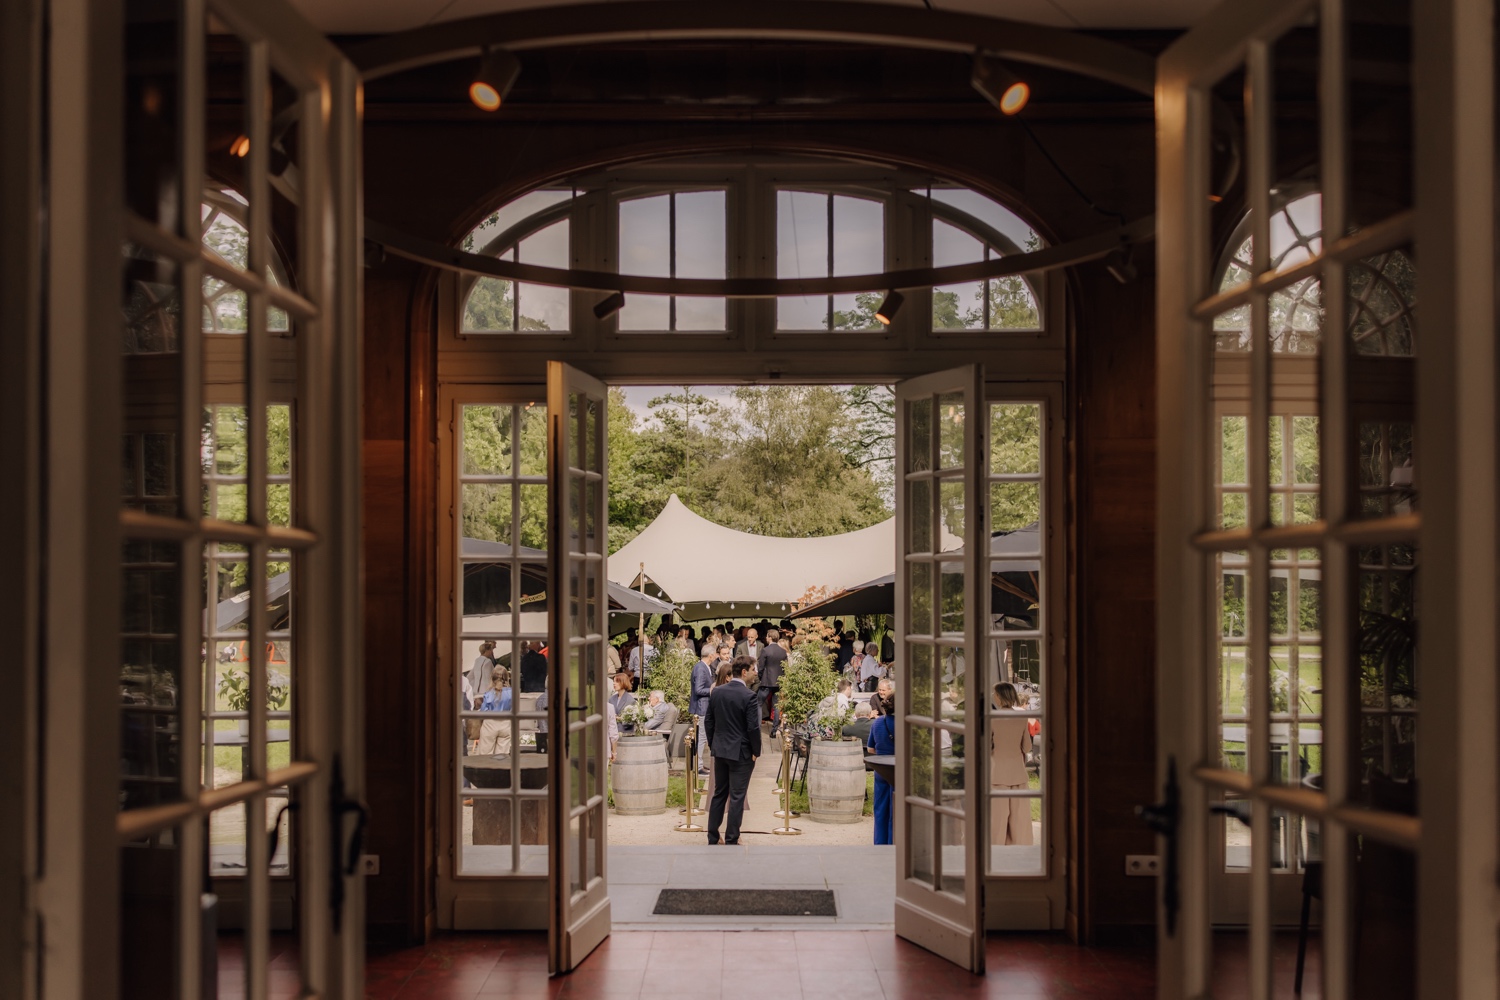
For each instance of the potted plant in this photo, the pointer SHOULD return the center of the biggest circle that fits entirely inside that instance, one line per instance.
(234, 688)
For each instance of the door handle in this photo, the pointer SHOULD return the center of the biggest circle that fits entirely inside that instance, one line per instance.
(1239, 809)
(342, 865)
(578, 708)
(1163, 818)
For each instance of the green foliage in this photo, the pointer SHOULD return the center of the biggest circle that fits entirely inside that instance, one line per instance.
(672, 674)
(829, 722)
(234, 688)
(787, 460)
(807, 678)
(489, 442)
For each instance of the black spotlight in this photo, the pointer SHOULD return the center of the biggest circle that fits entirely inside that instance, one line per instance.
(497, 74)
(889, 307)
(609, 305)
(1000, 86)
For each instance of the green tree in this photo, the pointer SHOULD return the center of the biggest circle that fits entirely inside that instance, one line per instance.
(789, 469)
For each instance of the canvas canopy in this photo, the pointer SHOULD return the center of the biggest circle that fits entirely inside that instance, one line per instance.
(704, 567)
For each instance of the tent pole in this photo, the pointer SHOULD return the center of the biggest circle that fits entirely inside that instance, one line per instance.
(641, 627)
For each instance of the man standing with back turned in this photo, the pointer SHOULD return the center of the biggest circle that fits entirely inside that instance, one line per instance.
(733, 726)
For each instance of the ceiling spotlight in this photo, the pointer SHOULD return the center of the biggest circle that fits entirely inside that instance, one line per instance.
(609, 305)
(888, 308)
(497, 74)
(1000, 86)
(240, 146)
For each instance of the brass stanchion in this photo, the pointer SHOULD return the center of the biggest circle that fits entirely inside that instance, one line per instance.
(690, 785)
(786, 829)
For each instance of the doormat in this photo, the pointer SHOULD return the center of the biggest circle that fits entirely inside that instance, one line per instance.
(745, 903)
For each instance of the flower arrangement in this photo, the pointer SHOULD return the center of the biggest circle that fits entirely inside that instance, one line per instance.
(830, 720)
(636, 714)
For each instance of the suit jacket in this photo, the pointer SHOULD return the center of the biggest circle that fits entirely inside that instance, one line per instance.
(769, 665)
(743, 649)
(662, 717)
(702, 684)
(1010, 742)
(733, 722)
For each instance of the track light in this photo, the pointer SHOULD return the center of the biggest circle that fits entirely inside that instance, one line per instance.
(497, 74)
(1121, 264)
(609, 305)
(1000, 86)
(889, 307)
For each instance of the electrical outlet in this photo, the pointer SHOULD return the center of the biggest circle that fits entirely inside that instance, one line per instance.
(1142, 864)
(370, 863)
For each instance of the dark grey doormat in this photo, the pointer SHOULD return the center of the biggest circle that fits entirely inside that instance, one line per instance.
(745, 903)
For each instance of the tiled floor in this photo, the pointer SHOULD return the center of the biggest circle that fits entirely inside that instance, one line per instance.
(764, 965)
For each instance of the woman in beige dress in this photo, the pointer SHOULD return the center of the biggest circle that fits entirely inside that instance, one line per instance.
(1010, 742)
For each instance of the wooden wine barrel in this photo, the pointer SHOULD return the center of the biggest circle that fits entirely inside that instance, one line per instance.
(638, 776)
(836, 781)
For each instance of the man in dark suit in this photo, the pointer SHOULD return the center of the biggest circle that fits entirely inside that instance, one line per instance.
(733, 726)
(772, 658)
(702, 682)
(752, 646)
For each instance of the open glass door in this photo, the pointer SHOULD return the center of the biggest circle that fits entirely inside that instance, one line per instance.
(1323, 401)
(941, 595)
(228, 318)
(579, 754)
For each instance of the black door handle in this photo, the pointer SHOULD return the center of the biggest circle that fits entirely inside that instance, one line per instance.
(1238, 809)
(1163, 818)
(342, 865)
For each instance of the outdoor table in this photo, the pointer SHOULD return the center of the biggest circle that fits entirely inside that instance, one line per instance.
(882, 764)
(492, 815)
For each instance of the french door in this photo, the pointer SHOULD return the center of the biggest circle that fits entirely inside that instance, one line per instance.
(1326, 513)
(200, 715)
(942, 594)
(578, 631)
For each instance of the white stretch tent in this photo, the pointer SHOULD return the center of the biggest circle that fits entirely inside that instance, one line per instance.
(703, 567)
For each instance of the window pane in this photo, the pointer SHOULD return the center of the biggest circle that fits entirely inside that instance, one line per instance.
(802, 252)
(150, 674)
(491, 307)
(858, 248)
(543, 308)
(956, 307)
(700, 254)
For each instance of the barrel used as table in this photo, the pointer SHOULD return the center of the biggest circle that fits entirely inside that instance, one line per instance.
(836, 781)
(638, 777)
(492, 824)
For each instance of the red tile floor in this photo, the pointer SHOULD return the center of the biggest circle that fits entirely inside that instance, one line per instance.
(762, 965)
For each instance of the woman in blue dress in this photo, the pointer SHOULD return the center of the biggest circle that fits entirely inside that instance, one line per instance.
(882, 741)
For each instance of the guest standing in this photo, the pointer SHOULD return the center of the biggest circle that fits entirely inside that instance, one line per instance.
(769, 666)
(734, 734)
(1010, 742)
(702, 681)
(621, 698)
(882, 741)
(495, 735)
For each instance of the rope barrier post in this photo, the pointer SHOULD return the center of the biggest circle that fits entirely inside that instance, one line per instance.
(786, 829)
(690, 784)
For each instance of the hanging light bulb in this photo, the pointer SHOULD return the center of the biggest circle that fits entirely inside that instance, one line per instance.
(497, 74)
(240, 147)
(1002, 88)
